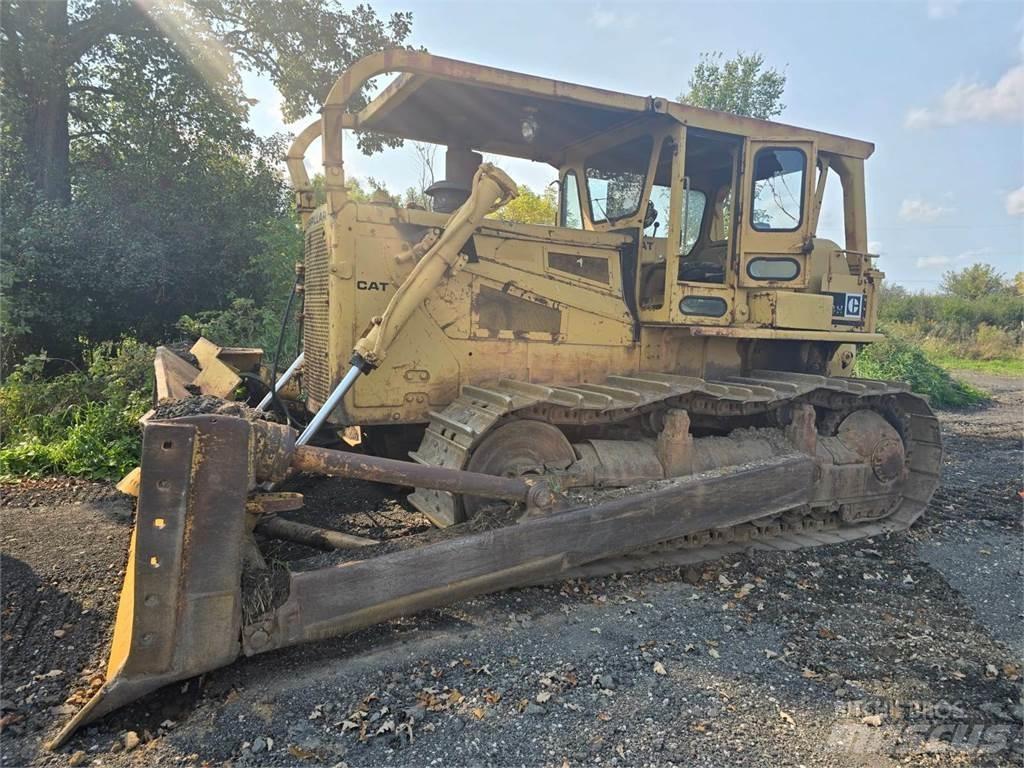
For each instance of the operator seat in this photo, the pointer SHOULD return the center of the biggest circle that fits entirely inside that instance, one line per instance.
(705, 264)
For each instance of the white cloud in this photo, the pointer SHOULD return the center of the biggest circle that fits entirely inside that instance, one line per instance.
(943, 9)
(974, 254)
(874, 246)
(1015, 202)
(973, 101)
(916, 209)
(602, 18)
(933, 261)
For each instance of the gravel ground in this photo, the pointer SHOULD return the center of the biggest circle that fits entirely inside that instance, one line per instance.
(903, 650)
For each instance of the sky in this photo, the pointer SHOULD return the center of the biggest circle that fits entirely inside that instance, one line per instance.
(936, 85)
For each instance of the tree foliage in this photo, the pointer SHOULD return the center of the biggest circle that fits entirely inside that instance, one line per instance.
(146, 240)
(950, 315)
(741, 85)
(529, 207)
(134, 191)
(71, 69)
(975, 282)
(977, 316)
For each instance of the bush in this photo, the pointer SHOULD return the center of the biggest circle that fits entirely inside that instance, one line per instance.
(991, 343)
(83, 422)
(896, 359)
(242, 324)
(952, 318)
(244, 321)
(146, 239)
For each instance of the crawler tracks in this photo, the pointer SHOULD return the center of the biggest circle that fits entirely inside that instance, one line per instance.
(763, 397)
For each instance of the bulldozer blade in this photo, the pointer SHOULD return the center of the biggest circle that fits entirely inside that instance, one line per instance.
(180, 609)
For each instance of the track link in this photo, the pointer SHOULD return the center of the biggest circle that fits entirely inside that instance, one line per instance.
(454, 432)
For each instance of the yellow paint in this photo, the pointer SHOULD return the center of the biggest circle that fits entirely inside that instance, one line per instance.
(129, 484)
(120, 646)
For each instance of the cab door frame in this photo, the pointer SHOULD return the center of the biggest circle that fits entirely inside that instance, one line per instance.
(775, 246)
(700, 303)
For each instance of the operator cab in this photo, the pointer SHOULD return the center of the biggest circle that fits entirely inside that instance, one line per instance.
(679, 206)
(719, 212)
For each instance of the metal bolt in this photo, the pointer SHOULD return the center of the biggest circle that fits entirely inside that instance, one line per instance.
(540, 497)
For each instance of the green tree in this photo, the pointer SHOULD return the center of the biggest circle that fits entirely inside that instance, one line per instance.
(530, 207)
(741, 85)
(974, 282)
(146, 240)
(69, 70)
(133, 190)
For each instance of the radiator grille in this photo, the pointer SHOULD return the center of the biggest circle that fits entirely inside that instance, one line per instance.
(316, 370)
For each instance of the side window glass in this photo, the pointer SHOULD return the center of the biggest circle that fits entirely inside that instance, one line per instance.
(657, 211)
(615, 179)
(720, 224)
(660, 202)
(832, 217)
(694, 203)
(777, 201)
(570, 213)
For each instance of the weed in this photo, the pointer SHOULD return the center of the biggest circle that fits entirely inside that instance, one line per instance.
(81, 422)
(896, 359)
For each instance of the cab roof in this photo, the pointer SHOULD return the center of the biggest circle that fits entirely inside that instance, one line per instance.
(444, 101)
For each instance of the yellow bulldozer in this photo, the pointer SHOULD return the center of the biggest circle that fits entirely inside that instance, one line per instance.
(661, 376)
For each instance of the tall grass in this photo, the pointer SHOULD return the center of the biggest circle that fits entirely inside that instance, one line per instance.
(989, 327)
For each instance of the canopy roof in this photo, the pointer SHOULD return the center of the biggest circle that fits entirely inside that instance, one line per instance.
(450, 102)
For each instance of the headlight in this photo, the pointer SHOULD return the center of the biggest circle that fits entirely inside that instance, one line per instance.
(529, 129)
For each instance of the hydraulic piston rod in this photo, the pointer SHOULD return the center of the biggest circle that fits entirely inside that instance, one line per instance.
(327, 408)
(285, 378)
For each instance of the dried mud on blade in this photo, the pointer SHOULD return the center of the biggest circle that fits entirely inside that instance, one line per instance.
(181, 610)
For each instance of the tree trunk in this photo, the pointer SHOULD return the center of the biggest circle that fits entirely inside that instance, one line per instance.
(48, 141)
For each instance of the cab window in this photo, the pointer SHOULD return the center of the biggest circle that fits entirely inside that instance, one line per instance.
(694, 203)
(659, 203)
(832, 216)
(777, 201)
(616, 178)
(656, 220)
(722, 215)
(570, 213)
